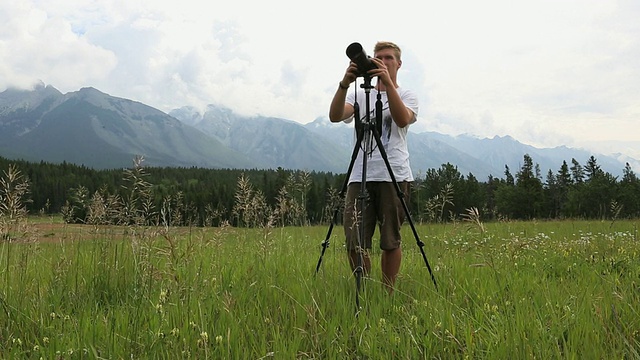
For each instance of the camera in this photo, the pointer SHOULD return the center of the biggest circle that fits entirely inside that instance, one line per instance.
(356, 53)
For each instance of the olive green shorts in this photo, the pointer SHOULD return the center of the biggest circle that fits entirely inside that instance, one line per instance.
(382, 207)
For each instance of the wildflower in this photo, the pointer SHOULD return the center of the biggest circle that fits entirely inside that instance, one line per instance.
(204, 339)
(163, 296)
(382, 322)
(219, 339)
(396, 340)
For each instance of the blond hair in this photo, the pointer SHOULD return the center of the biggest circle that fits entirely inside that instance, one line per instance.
(381, 45)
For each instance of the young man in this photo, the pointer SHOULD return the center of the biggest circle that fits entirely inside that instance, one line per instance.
(383, 206)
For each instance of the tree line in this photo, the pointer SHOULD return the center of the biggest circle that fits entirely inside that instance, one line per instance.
(255, 197)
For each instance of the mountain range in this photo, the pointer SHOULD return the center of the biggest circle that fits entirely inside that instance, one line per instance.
(88, 127)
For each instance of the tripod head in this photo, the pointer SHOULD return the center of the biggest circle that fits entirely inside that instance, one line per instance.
(358, 56)
(368, 122)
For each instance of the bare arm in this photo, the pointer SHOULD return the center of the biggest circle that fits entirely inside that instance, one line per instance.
(339, 109)
(401, 114)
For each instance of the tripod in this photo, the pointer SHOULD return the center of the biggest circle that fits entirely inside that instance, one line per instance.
(366, 132)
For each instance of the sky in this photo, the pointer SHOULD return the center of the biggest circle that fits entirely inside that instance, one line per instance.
(546, 72)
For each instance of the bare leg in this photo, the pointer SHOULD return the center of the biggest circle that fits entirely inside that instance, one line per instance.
(354, 261)
(391, 260)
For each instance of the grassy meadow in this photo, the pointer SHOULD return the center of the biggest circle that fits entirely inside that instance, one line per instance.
(507, 290)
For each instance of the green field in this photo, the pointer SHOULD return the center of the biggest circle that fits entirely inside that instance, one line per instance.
(508, 290)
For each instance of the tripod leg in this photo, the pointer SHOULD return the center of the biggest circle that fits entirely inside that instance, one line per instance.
(404, 205)
(354, 155)
(360, 259)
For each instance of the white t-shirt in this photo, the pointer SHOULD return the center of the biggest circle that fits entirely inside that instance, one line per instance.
(393, 138)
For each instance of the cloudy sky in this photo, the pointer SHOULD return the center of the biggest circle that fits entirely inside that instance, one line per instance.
(547, 72)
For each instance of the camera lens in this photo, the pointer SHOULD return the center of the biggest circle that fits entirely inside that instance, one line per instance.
(356, 53)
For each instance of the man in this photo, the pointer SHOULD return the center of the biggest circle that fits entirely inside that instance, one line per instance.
(383, 206)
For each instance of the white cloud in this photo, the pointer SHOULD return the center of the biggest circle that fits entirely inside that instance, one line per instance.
(547, 72)
(36, 46)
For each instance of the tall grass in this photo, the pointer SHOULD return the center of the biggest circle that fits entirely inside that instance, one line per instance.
(546, 290)
(136, 289)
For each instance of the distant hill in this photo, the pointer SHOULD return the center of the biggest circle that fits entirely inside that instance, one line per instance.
(91, 128)
(498, 151)
(271, 142)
